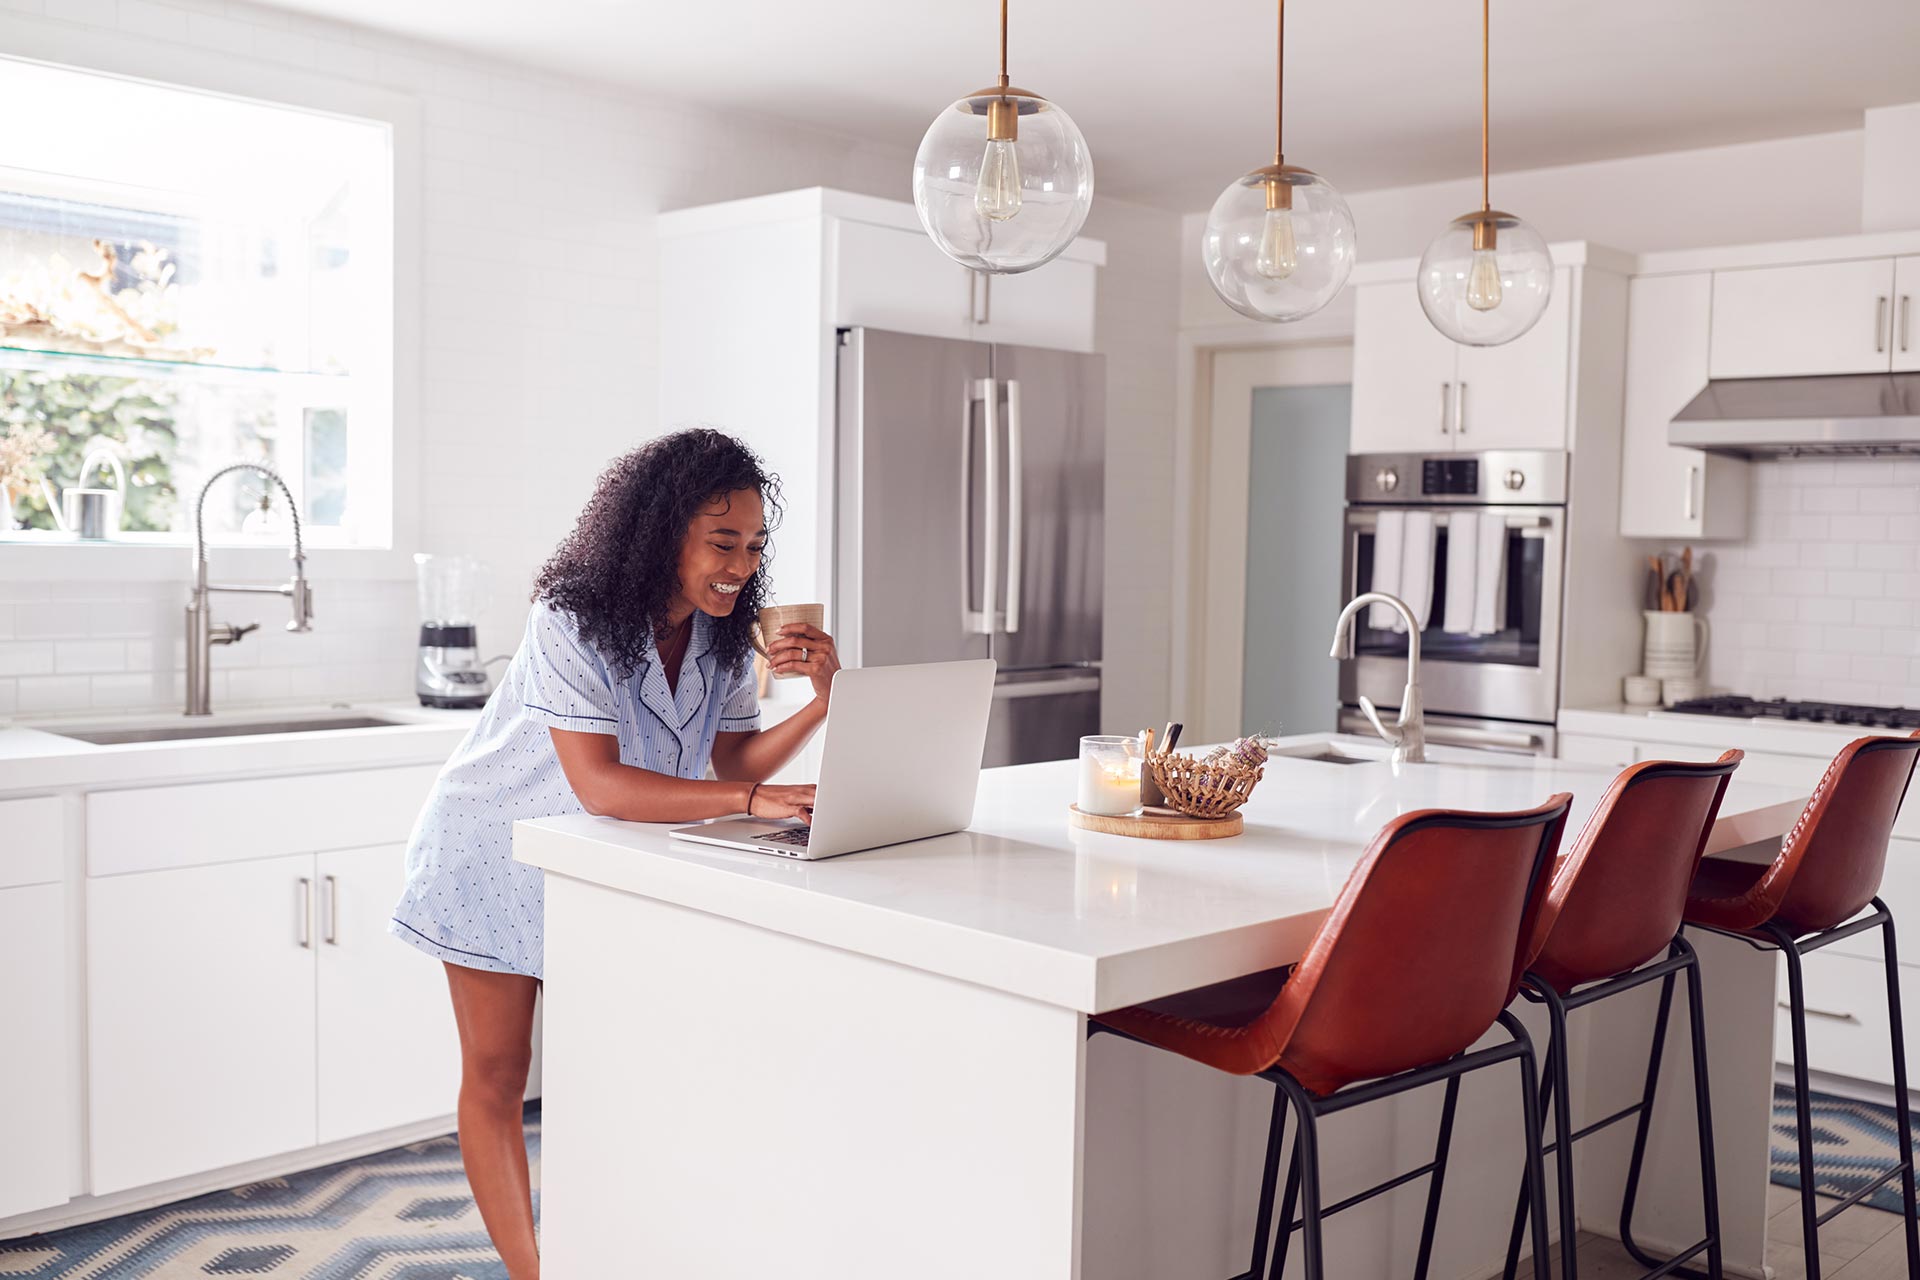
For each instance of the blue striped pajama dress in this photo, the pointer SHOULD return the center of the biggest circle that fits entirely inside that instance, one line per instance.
(466, 900)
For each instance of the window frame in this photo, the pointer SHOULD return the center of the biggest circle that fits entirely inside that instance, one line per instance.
(207, 71)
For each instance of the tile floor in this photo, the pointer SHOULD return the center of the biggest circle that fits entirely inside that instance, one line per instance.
(1860, 1244)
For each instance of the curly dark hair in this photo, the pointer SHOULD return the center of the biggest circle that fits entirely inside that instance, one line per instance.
(618, 570)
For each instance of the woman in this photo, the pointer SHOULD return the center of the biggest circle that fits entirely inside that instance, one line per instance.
(635, 673)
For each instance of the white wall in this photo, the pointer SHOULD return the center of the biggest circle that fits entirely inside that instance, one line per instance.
(539, 341)
(1786, 189)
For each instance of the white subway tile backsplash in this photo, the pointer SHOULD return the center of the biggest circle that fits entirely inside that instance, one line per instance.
(1822, 600)
(49, 695)
(25, 658)
(84, 657)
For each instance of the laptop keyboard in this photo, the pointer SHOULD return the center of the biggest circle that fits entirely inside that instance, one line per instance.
(796, 836)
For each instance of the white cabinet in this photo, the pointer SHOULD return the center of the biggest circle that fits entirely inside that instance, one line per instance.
(1415, 391)
(200, 1018)
(388, 1050)
(1403, 373)
(1050, 306)
(1906, 324)
(891, 277)
(1848, 1031)
(1815, 318)
(1669, 492)
(35, 1106)
(1514, 396)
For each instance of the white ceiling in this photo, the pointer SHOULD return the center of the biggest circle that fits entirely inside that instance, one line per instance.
(1175, 97)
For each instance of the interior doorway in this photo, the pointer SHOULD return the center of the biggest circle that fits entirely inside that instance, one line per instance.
(1268, 495)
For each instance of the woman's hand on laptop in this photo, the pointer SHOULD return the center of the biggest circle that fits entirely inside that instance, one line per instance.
(782, 802)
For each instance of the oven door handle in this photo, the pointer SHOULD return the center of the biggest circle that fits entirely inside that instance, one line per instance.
(1450, 735)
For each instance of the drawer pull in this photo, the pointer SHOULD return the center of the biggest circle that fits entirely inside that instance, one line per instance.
(1828, 1014)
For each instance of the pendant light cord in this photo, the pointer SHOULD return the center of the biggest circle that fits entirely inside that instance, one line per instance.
(1280, 88)
(1003, 44)
(1486, 204)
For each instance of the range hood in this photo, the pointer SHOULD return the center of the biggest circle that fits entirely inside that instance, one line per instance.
(1850, 415)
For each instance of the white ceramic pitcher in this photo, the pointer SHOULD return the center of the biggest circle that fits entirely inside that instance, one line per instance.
(1676, 644)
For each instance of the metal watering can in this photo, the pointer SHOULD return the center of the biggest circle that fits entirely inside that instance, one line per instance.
(93, 514)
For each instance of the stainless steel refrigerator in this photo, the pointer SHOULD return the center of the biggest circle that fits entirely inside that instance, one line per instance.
(971, 485)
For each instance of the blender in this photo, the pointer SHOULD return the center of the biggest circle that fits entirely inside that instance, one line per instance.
(449, 672)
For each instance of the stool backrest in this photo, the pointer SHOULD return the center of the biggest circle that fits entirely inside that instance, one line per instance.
(1830, 864)
(1418, 956)
(1617, 894)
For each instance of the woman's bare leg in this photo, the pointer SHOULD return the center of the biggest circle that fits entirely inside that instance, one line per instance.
(495, 1014)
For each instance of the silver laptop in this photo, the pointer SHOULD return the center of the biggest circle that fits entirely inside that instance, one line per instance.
(899, 760)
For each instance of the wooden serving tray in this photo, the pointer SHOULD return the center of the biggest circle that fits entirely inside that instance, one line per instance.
(1157, 826)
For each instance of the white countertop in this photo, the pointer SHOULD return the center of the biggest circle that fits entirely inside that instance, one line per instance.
(1023, 903)
(34, 757)
(1757, 733)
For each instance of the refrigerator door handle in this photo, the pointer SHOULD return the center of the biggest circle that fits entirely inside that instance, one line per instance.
(1047, 688)
(1016, 504)
(980, 391)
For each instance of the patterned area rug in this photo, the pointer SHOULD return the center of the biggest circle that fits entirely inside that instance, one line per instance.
(403, 1214)
(1853, 1143)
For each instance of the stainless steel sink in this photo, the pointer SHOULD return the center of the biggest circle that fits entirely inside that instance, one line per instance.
(1332, 753)
(178, 732)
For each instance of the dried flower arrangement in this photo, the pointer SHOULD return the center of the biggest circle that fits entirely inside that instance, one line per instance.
(60, 306)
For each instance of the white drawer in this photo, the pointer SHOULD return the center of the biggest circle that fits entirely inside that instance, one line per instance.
(1900, 890)
(150, 828)
(33, 841)
(1847, 1028)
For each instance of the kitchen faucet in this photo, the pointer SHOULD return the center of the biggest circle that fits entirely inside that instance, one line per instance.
(202, 632)
(1409, 733)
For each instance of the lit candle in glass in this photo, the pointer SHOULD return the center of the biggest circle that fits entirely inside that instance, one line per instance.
(1109, 776)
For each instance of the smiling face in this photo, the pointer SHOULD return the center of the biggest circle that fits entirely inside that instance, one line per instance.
(722, 551)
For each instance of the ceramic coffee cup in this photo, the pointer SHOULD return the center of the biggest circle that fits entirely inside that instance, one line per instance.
(774, 617)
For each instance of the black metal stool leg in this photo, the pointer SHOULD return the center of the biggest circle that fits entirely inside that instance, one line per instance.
(1703, 1108)
(1642, 1123)
(1269, 1175)
(1518, 1234)
(1536, 1178)
(1288, 1201)
(1441, 1147)
(1898, 1035)
(1306, 1147)
(1803, 1111)
(1562, 1131)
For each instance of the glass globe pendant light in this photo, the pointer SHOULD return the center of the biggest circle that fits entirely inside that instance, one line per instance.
(1279, 242)
(1486, 278)
(1003, 179)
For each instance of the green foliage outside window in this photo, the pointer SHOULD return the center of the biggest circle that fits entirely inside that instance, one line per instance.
(136, 414)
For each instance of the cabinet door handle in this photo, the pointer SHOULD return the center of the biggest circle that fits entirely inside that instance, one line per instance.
(1829, 1014)
(1880, 324)
(986, 299)
(1906, 318)
(1445, 389)
(973, 293)
(306, 913)
(1693, 503)
(332, 936)
(1460, 409)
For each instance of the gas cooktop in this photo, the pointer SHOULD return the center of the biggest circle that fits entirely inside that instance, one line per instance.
(1840, 713)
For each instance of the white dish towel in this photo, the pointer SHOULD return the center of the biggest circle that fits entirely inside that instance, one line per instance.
(1389, 536)
(1463, 563)
(1416, 568)
(1490, 577)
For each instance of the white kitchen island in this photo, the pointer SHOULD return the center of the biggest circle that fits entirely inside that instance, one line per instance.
(877, 1065)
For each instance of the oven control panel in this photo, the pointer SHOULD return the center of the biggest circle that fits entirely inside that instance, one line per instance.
(1512, 477)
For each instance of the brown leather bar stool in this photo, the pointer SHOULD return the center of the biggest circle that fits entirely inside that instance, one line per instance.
(1415, 962)
(1613, 904)
(1810, 896)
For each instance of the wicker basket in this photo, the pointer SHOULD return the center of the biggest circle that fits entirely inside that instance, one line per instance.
(1203, 788)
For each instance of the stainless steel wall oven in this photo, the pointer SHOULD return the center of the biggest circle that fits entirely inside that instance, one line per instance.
(1500, 689)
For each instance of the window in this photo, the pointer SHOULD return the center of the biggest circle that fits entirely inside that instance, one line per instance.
(187, 280)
